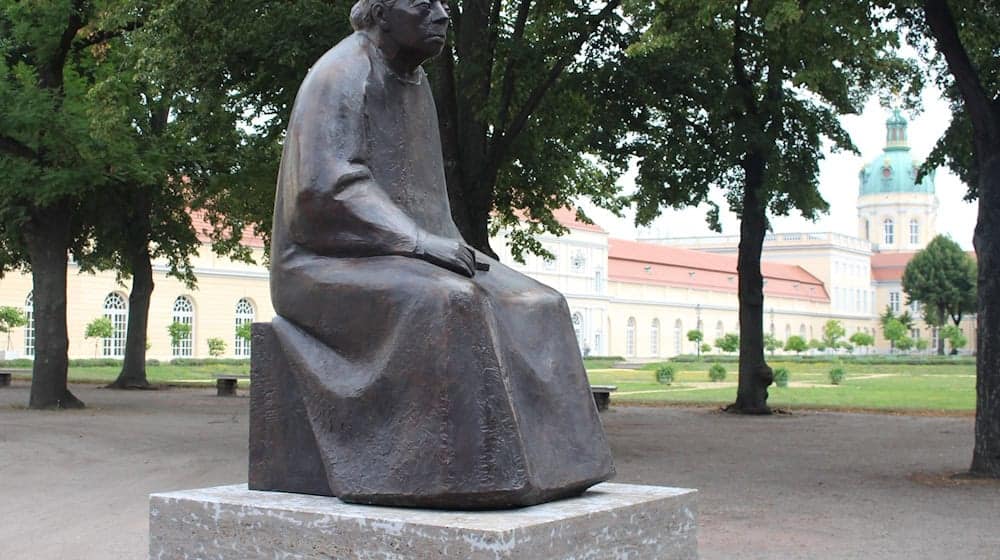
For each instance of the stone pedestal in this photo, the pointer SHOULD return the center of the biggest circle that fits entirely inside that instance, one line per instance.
(609, 521)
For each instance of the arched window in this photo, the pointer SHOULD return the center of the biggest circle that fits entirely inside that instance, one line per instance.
(630, 337)
(720, 330)
(116, 309)
(888, 232)
(245, 313)
(29, 327)
(654, 338)
(578, 329)
(184, 314)
(802, 330)
(678, 337)
(914, 232)
(867, 232)
(788, 331)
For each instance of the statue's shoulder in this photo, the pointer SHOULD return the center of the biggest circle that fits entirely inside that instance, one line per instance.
(345, 67)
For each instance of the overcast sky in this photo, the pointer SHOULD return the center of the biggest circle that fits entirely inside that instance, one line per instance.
(838, 184)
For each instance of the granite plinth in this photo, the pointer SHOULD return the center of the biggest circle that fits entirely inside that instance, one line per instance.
(610, 521)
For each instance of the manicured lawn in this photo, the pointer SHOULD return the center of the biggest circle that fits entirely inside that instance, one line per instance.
(944, 387)
(161, 374)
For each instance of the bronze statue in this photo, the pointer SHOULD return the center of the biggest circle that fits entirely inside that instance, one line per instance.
(424, 379)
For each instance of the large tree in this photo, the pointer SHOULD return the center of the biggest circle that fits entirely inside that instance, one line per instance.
(942, 277)
(519, 91)
(50, 163)
(958, 39)
(744, 96)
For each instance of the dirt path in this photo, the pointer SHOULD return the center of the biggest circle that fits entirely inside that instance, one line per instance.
(806, 485)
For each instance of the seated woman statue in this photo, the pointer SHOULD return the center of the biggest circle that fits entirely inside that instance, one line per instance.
(427, 379)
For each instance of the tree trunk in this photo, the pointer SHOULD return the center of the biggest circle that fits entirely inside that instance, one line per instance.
(986, 453)
(47, 237)
(984, 112)
(133, 374)
(755, 374)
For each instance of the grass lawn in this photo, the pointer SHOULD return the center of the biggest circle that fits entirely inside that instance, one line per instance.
(944, 387)
(157, 375)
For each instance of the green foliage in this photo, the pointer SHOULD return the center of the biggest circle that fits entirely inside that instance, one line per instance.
(833, 331)
(216, 347)
(704, 348)
(904, 343)
(665, 374)
(198, 362)
(942, 277)
(771, 343)
(862, 339)
(717, 372)
(922, 344)
(781, 376)
(11, 318)
(728, 343)
(244, 331)
(956, 339)
(894, 331)
(696, 336)
(837, 376)
(100, 327)
(178, 332)
(817, 345)
(796, 343)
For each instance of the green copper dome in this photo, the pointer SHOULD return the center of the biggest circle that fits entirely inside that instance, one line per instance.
(895, 171)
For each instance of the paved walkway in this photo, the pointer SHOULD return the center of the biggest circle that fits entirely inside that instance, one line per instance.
(807, 485)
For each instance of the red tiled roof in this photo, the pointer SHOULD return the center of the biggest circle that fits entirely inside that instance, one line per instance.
(203, 229)
(648, 263)
(889, 267)
(567, 217)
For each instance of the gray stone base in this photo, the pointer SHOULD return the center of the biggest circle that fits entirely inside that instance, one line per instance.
(609, 521)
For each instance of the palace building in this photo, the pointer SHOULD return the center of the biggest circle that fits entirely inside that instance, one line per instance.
(629, 298)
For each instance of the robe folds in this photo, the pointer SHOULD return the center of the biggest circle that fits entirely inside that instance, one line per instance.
(422, 387)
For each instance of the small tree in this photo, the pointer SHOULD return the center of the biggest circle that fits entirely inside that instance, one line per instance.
(705, 348)
(717, 372)
(862, 340)
(179, 332)
(796, 343)
(98, 329)
(216, 347)
(922, 344)
(817, 345)
(728, 343)
(696, 336)
(905, 343)
(893, 330)
(11, 318)
(943, 278)
(833, 331)
(956, 339)
(771, 343)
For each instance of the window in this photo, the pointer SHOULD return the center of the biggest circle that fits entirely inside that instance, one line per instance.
(888, 233)
(802, 331)
(894, 301)
(245, 313)
(29, 327)
(915, 308)
(599, 281)
(184, 314)
(858, 306)
(654, 338)
(551, 264)
(116, 309)
(867, 228)
(578, 329)
(630, 337)
(935, 333)
(914, 232)
(788, 332)
(915, 334)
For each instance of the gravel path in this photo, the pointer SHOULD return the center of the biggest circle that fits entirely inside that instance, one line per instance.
(805, 485)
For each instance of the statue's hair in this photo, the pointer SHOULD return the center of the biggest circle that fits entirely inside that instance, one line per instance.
(361, 13)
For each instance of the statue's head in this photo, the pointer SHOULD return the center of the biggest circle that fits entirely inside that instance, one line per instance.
(415, 26)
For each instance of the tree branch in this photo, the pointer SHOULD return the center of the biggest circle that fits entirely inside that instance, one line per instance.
(503, 139)
(17, 149)
(99, 37)
(942, 24)
(507, 88)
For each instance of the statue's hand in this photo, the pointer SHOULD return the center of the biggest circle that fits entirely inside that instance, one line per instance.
(448, 253)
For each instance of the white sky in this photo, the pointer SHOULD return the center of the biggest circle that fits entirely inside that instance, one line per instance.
(838, 184)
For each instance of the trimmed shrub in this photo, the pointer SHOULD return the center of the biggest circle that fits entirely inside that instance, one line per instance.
(152, 362)
(717, 372)
(837, 375)
(781, 377)
(665, 375)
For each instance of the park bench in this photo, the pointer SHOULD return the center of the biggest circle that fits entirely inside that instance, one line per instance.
(5, 376)
(225, 384)
(602, 395)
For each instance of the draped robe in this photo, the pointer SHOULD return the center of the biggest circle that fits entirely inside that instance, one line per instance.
(422, 387)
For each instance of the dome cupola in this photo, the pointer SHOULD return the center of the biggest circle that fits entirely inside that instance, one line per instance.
(895, 170)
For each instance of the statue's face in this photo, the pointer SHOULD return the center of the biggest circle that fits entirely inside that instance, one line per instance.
(418, 26)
